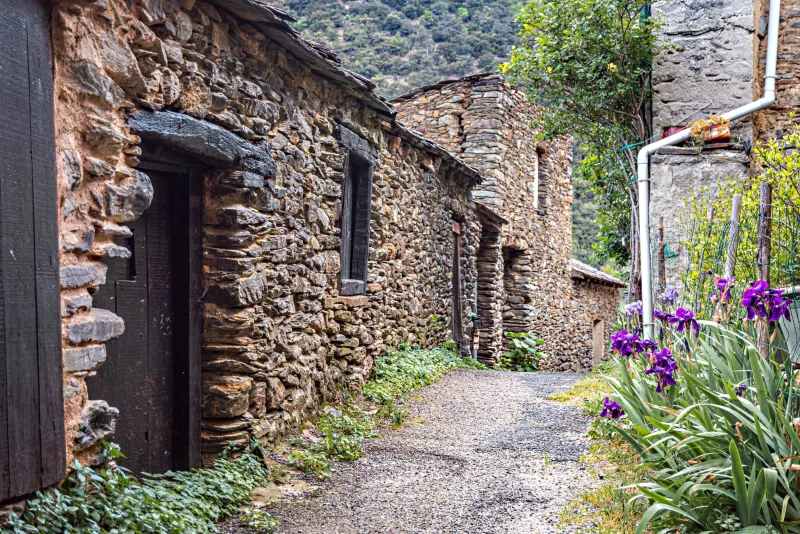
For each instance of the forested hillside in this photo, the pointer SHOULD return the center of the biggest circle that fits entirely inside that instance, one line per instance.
(402, 44)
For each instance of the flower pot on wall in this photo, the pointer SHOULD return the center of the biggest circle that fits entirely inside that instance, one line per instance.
(672, 130)
(717, 134)
(716, 129)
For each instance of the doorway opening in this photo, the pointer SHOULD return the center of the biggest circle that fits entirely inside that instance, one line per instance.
(598, 341)
(152, 372)
(458, 304)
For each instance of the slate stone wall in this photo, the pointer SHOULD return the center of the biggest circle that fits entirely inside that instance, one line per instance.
(708, 63)
(487, 122)
(775, 121)
(593, 303)
(277, 336)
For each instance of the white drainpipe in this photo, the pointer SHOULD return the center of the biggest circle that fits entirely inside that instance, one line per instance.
(647, 151)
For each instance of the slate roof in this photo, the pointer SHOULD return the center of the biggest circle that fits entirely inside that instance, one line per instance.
(581, 271)
(443, 83)
(273, 22)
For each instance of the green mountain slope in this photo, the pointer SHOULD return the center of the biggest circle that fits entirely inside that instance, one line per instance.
(402, 44)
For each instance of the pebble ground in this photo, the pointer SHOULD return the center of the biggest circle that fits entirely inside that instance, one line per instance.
(483, 452)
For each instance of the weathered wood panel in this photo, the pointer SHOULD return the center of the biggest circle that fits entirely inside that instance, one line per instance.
(32, 452)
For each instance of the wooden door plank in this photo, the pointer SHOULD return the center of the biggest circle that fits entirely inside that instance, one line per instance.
(161, 323)
(121, 381)
(457, 290)
(24, 446)
(45, 205)
(188, 321)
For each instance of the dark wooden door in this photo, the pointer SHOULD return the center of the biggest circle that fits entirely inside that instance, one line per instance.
(32, 450)
(458, 318)
(149, 371)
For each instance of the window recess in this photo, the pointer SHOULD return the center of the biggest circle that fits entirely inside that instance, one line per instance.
(359, 165)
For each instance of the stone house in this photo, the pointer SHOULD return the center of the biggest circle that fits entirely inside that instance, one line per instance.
(209, 226)
(526, 279)
(715, 64)
(238, 226)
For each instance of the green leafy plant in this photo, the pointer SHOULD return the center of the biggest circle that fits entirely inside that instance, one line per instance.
(523, 356)
(311, 462)
(259, 520)
(714, 418)
(109, 499)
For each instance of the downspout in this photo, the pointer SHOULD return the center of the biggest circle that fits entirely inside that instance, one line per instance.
(645, 153)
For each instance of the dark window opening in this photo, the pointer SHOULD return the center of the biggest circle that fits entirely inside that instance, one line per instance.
(356, 214)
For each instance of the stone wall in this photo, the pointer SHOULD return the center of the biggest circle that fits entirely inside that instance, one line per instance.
(676, 174)
(487, 122)
(593, 303)
(277, 337)
(708, 63)
(775, 121)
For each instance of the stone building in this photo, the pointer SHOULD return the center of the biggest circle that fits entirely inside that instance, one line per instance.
(525, 275)
(238, 224)
(716, 63)
(209, 226)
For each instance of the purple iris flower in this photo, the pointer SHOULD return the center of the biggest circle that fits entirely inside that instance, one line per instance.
(724, 286)
(626, 343)
(663, 316)
(663, 367)
(740, 389)
(634, 308)
(670, 295)
(611, 409)
(761, 301)
(648, 345)
(778, 306)
(755, 300)
(684, 318)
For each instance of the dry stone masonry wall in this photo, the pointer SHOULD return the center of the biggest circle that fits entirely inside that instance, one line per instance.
(485, 121)
(707, 67)
(775, 121)
(277, 337)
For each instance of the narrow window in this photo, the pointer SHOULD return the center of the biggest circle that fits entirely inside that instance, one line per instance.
(541, 200)
(359, 164)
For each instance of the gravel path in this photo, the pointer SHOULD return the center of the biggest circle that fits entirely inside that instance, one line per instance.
(484, 452)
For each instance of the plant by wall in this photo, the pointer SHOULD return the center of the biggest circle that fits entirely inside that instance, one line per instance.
(109, 499)
(706, 241)
(713, 418)
(523, 354)
(588, 63)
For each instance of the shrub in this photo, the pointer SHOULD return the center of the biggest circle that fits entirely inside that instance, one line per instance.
(523, 356)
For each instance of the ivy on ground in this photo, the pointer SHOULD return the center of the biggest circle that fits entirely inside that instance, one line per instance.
(109, 499)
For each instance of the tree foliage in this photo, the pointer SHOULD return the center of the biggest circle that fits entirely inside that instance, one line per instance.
(402, 44)
(588, 62)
